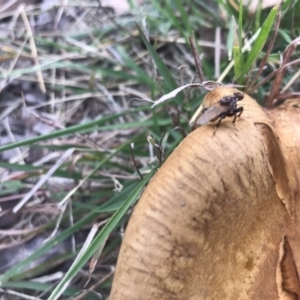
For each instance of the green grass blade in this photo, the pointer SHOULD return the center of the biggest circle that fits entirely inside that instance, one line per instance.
(258, 15)
(106, 206)
(259, 42)
(37, 286)
(129, 62)
(230, 37)
(185, 19)
(20, 266)
(240, 33)
(180, 23)
(100, 237)
(89, 126)
(237, 46)
(162, 68)
(238, 60)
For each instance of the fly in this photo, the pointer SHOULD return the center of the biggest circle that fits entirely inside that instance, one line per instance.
(226, 107)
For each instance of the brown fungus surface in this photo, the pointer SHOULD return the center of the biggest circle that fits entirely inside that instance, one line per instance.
(217, 221)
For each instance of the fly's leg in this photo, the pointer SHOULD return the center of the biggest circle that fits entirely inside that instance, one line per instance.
(241, 109)
(236, 110)
(234, 118)
(222, 116)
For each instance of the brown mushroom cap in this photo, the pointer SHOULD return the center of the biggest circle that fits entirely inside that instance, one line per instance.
(214, 221)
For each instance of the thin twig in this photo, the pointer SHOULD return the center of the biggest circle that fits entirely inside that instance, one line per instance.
(134, 162)
(161, 148)
(197, 58)
(274, 91)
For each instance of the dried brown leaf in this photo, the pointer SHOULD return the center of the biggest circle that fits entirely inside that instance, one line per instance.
(290, 49)
(211, 223)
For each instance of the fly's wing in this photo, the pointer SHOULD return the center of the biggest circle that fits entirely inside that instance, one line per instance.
(211, 114)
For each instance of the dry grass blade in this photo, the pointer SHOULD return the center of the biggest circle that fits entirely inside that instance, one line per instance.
(97, 254)
(17, 295)
(93, 287)
(274, 92)
(43, 180)
(33, 50)
(291, 82)
(94, 260)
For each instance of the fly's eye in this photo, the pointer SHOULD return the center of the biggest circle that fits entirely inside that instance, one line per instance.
(238, 96)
